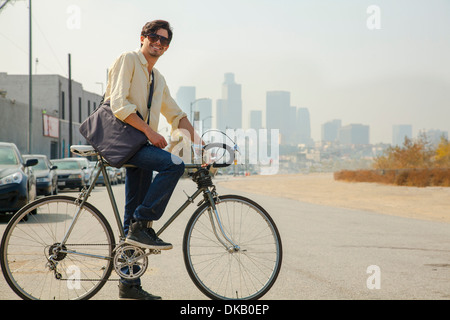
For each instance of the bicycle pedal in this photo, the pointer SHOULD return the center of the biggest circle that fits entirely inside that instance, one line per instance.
(154, 251)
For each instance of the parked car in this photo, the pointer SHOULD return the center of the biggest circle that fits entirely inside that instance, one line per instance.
(86, 168)
(111, 175)
(46, 176)
(120, 174)
(71, 173)
(17, 180)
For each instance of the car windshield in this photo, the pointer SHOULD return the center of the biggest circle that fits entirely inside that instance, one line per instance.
(67, 165)
(8, 156)
(41, 163)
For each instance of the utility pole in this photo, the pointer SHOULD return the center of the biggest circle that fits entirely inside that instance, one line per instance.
(70, 106)
(30, 84)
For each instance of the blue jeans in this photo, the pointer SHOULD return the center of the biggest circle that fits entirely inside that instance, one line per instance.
(146, 199)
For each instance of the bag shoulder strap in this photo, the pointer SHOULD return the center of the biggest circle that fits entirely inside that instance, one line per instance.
(150, 97)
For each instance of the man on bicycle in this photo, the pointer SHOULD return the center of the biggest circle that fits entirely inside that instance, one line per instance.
(129, 80)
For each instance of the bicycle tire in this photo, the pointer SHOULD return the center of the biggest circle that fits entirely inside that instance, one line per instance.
(28, 241)
(224, 274)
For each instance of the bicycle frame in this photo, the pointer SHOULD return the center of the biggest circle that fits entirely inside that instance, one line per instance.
(84, 195)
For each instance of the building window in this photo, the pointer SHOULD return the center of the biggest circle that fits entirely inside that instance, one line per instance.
(79, 110)
(89, 107)
(63, 105)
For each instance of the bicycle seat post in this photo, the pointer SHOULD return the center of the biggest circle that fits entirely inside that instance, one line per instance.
(112, 199)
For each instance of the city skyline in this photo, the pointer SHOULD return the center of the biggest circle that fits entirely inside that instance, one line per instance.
(295, 126)
(337, 59)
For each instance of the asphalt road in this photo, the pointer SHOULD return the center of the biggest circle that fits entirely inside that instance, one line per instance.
(329, 253)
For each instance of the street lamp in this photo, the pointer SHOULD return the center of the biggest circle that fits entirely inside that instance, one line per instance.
(203, 122)
(192, 103)
(100, 83)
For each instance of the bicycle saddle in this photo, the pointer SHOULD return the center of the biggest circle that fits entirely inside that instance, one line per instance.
(83, 150)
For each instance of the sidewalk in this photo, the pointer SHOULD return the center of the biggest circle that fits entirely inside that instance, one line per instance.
(430, 203)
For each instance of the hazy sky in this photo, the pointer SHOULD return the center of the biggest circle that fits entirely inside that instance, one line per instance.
(322, 51)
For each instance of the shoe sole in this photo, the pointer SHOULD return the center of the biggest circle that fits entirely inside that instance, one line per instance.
(148, 246)
(126, 299)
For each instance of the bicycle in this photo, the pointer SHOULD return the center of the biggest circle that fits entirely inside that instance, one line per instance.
(62, 247)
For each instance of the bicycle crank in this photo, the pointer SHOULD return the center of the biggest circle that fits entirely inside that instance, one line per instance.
(130, 262)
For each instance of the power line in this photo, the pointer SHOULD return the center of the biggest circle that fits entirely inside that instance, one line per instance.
(14, 44)
(25, 52)
(49, 45)
(3, 4)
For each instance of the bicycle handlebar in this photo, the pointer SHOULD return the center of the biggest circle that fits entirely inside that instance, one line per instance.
(230, 150)
(209, 146)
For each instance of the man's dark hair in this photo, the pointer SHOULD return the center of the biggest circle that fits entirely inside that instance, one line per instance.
(154, 26)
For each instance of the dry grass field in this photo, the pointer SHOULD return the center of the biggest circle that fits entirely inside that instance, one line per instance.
(436, 177)
(428, 203)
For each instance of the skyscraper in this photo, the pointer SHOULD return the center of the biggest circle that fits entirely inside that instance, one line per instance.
(185, 96)
(221, 114)
(229, 108)
(434, 135)
(278, 104)
(303, 127)
(255, 119)
(354, 134)
(290, 126)
(204, 107)
(330, 130)
(399, 132)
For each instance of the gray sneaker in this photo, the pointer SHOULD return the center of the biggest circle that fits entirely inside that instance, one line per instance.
(140, 235)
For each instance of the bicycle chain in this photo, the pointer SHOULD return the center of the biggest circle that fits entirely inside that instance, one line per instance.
(86, 244)
(92, 244)
(64, 279)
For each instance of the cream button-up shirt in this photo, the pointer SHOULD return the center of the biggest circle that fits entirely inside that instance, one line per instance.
(128, 90)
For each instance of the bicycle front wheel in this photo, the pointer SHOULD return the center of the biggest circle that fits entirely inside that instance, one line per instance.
(222, 271)
(37, 266)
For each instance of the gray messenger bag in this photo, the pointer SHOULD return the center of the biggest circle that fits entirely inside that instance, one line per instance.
(115, 140)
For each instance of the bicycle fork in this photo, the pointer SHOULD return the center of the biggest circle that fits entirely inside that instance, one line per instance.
(231, 247)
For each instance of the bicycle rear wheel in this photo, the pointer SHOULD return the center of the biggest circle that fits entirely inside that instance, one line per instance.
(34, 264)
(222, 272)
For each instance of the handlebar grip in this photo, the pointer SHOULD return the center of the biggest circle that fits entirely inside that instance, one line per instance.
(220, 165)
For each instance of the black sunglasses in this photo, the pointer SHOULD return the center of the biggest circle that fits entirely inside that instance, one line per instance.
(153, 37)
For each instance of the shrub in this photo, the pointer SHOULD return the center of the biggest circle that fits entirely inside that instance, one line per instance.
(442, 158)
(404, 177)
(413, 154)
(416, 163)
